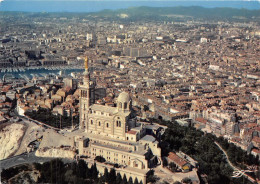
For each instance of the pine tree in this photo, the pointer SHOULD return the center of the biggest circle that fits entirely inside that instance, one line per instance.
(106, 176)
(136, 181)
(130, 181)
(124, 180)
(101, 180)
(165, 162)
(118, 178)
(94, 171)
(177, 182)
(112, 176)
(82, 169)
(88, 173)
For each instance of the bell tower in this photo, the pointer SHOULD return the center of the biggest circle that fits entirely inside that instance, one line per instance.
(87, 96)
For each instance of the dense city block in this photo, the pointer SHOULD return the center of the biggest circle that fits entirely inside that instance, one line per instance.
(135, 95)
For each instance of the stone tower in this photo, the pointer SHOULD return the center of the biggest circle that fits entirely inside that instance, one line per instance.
(87, 96)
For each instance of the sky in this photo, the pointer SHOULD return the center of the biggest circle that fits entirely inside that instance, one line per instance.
(130, 0)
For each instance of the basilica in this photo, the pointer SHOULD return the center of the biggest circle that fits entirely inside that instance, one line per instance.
(115, 134)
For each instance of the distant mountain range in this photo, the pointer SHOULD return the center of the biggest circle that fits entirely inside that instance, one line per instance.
(169, 13)
(160, 14)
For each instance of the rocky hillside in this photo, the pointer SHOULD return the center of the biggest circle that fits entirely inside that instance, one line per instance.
(56, 145)
(11, 135)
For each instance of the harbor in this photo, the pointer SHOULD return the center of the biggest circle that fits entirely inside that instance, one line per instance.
(29, 73)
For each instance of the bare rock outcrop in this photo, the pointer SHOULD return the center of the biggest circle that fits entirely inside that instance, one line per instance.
(56, 145)
(55, 153)
(11, 135)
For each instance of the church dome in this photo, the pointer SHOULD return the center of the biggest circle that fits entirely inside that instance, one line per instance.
(123, 97)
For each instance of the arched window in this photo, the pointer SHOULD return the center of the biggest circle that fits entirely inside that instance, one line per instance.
(91, 122)
(107, 125)
(118, 123)
(135, 164)
(125, 105)
(99, 123)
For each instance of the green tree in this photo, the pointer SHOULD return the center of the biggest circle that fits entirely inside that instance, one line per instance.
(151, 177)
(112, 176)
(82, 169)
(177, 182)
(186, 180)
(94, 171)
(146, 108)
(130, 181)
(106, 176)
(79, 180)
(100, 159)
(124, 181)
(165, 162)
(88, 173)
(118, 178)
(136, 181)
(173, 167)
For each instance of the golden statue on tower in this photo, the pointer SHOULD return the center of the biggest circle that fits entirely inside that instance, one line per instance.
(86, 62)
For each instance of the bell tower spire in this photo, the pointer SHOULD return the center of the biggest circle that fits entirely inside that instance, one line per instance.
(86, 79)
(86, 63)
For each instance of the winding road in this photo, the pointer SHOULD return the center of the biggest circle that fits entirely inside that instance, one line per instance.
(237, 170)
(22, 159)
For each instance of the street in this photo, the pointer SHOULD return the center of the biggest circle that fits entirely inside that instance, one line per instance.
(21, 159)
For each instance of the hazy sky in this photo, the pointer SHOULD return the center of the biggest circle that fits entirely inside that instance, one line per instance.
(130, 0)
(135, 0)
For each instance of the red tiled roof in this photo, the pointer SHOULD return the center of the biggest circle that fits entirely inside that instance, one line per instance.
(256, 151)
(176, 159)
(251, 125)
(257, 129)
(132, 132)
(6, 88)
(256, 139)
(201, 120)
(236, 139)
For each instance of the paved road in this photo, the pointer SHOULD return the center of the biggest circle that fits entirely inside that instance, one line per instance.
(234, 167)
(27, 159)
(26, 118)
(22, 159)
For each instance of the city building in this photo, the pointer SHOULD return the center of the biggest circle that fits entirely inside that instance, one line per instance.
(114, 133)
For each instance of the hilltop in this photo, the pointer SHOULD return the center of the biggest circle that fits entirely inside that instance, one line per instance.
(168, 13)
(144, 13)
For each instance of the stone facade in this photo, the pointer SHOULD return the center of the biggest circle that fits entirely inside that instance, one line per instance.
(113, 133)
